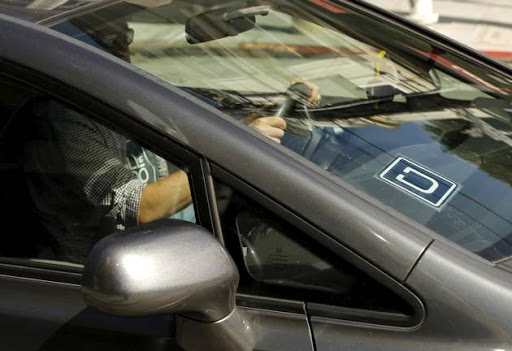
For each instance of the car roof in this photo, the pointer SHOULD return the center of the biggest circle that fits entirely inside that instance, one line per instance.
(41, 11)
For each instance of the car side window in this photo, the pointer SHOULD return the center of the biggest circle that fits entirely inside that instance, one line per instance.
(73, 181)
(276, 259)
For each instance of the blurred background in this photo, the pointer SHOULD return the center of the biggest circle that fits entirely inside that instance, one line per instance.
(485, 25)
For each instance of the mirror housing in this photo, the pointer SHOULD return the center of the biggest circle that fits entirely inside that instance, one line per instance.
(166, 266)
(170, 266)
(222, 23)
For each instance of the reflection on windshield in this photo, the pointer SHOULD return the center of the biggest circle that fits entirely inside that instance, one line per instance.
(385, 95)
(266, 58)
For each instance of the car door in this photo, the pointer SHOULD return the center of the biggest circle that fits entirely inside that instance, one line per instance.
(42, 303)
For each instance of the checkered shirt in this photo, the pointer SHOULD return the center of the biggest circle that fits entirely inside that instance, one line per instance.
(79, 180)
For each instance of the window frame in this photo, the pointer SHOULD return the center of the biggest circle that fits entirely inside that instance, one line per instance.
(119, 122)
(335, 248)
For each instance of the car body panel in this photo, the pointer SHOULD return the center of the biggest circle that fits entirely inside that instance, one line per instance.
(288, 330)
(46, 315)
(40, 314)
(472, 290)
(465, 300)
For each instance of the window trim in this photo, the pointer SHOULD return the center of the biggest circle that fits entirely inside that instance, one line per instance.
(337, 249)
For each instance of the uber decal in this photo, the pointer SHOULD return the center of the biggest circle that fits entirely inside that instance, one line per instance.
(418, 181)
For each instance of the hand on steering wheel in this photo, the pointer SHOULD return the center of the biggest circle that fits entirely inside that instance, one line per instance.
(273, 127)
(300, 90)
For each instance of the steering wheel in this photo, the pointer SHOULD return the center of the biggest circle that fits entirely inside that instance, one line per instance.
(299, 91)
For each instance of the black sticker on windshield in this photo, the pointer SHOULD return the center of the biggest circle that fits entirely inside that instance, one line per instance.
(419, 181)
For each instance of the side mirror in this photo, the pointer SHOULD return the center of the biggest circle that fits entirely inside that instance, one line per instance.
(170, 266)
(221, 23)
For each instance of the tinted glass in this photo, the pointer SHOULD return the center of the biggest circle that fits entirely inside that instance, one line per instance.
(72, 181)
(278, 260)
(421, 129)
(39, 10)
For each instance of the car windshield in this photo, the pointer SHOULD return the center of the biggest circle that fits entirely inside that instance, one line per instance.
(424, 130)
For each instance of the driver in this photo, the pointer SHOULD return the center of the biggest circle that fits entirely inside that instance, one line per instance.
(87, 181)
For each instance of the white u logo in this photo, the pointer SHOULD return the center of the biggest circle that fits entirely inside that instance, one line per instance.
(434, 184)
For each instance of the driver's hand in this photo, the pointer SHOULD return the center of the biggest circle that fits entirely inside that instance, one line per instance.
(314, 96)
(272, 127)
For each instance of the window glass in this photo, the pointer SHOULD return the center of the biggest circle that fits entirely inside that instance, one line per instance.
(72, 181)
(421, 129)
(275, 259)
(272, 257)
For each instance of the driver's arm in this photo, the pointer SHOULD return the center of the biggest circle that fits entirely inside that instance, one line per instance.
(274, 126)
(171, 194)
(164, 197)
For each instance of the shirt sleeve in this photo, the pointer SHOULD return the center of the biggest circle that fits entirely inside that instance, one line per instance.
(163, 169)
(93, 158)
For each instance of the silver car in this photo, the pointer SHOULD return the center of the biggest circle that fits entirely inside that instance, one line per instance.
(321, 175)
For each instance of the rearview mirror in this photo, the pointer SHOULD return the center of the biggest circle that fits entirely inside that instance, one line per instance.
(221, 23)
(169, 266)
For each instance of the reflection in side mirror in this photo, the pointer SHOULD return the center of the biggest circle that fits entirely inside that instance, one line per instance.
(169, 266)
(221, 23)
